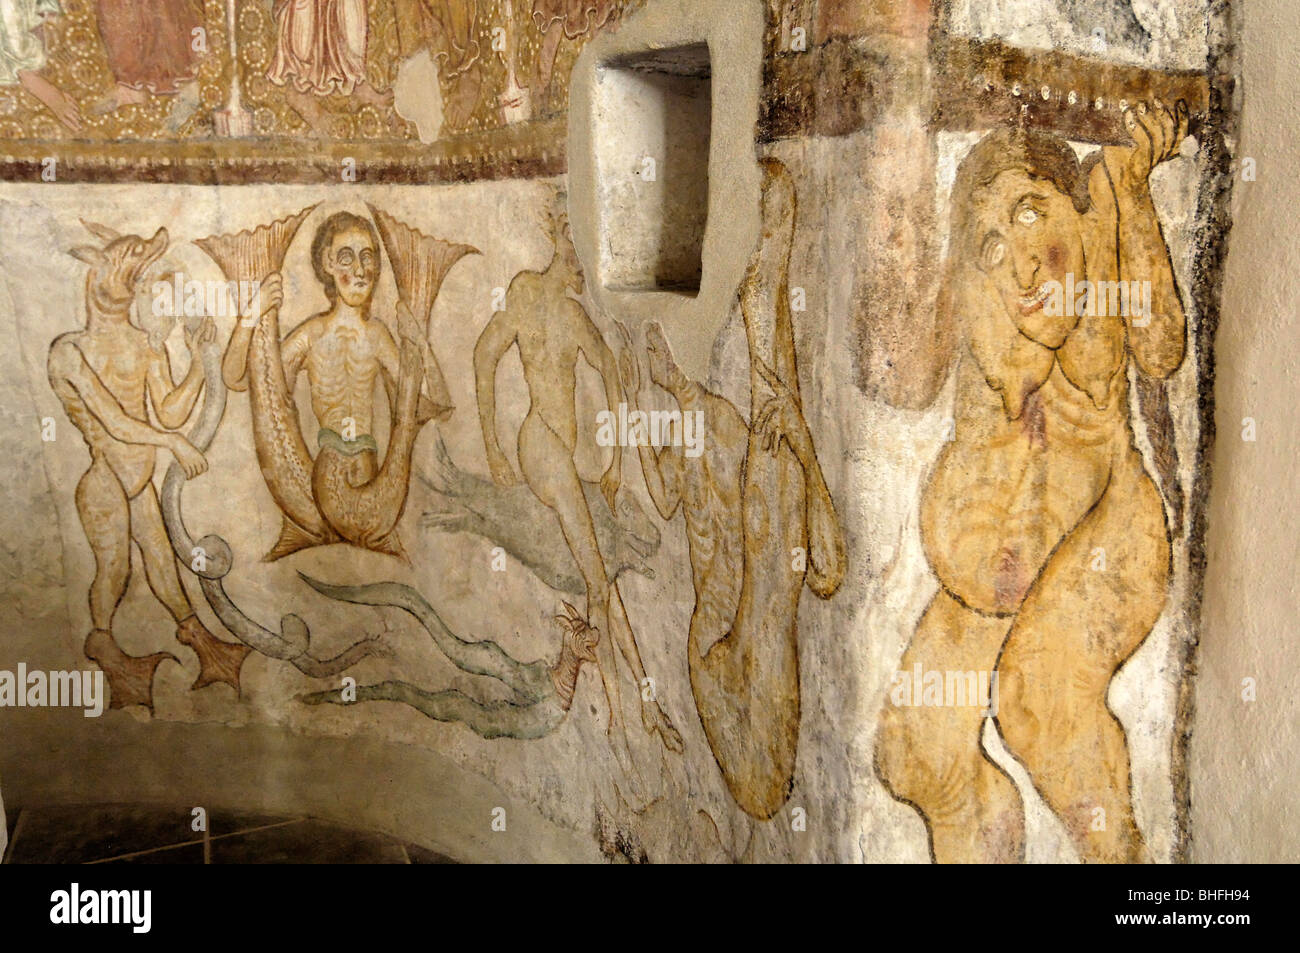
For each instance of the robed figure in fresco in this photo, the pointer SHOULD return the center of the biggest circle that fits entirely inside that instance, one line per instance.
(23, 59)
(150, 45)
(559, 20)
(320, 49)
(448, 29)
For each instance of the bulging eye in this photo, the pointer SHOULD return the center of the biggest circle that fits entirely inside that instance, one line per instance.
(1027, 216)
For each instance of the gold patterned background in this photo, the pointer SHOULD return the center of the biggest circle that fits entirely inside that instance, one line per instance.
(78, 65)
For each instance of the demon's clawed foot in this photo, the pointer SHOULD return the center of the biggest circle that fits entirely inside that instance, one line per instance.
(218, 661)
(130, 677)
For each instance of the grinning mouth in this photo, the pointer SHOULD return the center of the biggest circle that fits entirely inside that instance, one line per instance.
(1035, 300)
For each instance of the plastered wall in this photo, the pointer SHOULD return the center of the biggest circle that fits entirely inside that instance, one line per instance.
(1245, 762)
(834, 350)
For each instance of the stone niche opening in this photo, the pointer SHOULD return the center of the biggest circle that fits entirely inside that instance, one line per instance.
(653, 114)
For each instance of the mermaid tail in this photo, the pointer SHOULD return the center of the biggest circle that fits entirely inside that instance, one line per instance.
(365, 512)
(362, 508)
(420, 263)
(244, 256)
(281, 451)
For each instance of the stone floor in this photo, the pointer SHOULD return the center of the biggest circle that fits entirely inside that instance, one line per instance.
(133, 834)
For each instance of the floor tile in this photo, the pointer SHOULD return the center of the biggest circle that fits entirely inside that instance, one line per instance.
(306, 842)
(235, 822)
(185, 854)
(73, 835)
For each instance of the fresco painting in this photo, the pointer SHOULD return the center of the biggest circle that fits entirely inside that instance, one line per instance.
(946, 427)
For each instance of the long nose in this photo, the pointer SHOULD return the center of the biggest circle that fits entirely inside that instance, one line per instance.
(1024, 264)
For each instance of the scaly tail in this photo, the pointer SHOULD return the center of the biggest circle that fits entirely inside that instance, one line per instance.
(367, 515)
(281, 450)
